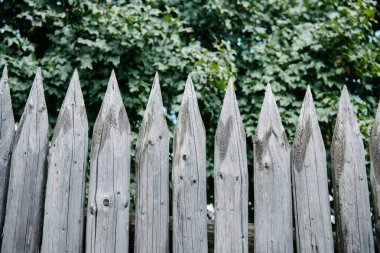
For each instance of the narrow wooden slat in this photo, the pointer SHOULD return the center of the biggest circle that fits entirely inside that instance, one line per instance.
(352, 210)
(7, 132)
(152, 168)
(272, 182)
(374, 149)
(108, 202)
(65, 191)
(310, 187)
(231, 179)
(23, 219)
(189, 177)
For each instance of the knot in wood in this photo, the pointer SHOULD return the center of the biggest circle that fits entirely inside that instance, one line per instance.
(184, 157)
(106, 202)
(92, 210)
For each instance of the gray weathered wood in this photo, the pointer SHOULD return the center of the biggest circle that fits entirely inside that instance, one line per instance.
(272, 182)
(231, 179)
(108, 201)
(7, 132)
(65, 191)
(23, 219)
(351, 197)
(374, 149)
(152, 168)
(310, 187)
(189, 177)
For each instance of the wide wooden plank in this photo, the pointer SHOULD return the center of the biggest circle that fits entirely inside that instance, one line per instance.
(310, 187)
(189, 177)
(7, 132)
(108, 201)
(65, 191)
(23, 219)
(152, 168)
(272, 182)
(374, 149)
(231, 179)
(351, 197)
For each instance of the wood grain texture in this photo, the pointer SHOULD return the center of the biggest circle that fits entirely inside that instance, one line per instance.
(351, 197)
(231, 179)
(189, 177)
(374, 150)
(108, 201)
(310, 187)
(7, 132)
(23, 219)
(65, 191)
(152, 168)
(272, 182)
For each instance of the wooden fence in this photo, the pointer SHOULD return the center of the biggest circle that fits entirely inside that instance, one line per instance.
(290, 184)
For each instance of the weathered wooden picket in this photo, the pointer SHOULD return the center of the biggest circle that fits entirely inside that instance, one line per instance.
(290, 184)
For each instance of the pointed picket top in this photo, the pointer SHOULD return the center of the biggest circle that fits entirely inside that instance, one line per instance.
(231, 176)
(269, 119)
(353, 217)
(346, 126)
(307, 127)
(189, 177)
(154, 117)
(310, 186)
(374, 148)
(152, 179)
(189, 110)
(229, 118)
(6, 105)
(72, 108)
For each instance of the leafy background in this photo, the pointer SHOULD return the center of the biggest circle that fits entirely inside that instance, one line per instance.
(288, 43)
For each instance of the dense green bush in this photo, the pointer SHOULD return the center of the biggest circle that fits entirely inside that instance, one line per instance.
(290, 44)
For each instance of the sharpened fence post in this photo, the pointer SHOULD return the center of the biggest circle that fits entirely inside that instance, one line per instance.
(231, 179)
(272, 182)
(351, 196)
(7, 132)
(152, 168)
(23, 219)
(65, 191)
(310, 188)
(108, 201)
(189, 177)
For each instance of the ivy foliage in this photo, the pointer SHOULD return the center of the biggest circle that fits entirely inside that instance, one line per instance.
(289, 44)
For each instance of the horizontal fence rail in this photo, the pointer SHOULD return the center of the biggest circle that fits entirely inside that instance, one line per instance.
(43, 187)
